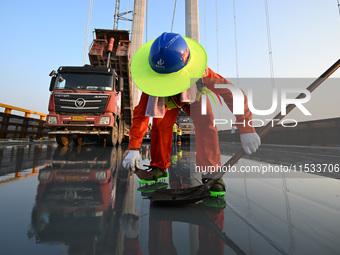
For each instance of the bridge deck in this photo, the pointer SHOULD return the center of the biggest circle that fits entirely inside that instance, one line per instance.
(63, 209)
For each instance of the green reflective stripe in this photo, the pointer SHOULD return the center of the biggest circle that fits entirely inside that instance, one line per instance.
(153, 187)
(217, 193)
(141, 181)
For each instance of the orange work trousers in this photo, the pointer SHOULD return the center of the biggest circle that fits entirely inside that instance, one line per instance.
(207, 146)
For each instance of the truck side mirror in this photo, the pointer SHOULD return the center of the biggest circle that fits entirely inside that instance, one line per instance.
(121, 84)
(53, 79)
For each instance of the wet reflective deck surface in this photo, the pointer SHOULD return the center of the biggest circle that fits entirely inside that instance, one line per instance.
(79, 200)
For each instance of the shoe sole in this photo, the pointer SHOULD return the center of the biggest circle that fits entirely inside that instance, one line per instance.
(153, 188)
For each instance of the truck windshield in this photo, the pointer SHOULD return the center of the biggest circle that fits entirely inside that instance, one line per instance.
(84, 81)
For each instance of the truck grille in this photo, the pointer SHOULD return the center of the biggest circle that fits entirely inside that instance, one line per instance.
(72, 195)
(79, 103)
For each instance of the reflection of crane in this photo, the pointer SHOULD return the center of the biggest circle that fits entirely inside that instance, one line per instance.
(119, 16)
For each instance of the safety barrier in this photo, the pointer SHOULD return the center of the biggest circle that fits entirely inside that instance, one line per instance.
(18, 175)
(17, 162)
(16, 126)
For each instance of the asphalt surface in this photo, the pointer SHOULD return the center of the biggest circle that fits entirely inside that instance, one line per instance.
(79, 200)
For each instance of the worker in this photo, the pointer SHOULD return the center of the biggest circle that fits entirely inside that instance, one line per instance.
(179, 135)
(167, 70)
(174, 133)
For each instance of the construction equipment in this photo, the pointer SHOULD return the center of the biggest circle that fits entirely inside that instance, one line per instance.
(91, 102)
(194, 194)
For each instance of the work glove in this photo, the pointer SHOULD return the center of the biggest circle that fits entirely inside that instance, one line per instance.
(129, 224)
(132, 160)
(250, 142)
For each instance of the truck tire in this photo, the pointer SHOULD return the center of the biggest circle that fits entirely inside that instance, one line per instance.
(112, 138)
(63, 140)
(78, 141)
(120, 131)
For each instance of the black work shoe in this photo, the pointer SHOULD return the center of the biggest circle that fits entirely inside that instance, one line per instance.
(219, 185)
(156, 175)
(217, 189)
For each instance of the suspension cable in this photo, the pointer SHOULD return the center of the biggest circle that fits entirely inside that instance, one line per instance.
(87, 30)
(235, 35)
(205, 28)
(218, 65)
(339, 7)
(269, 44)
(173, 16)
(127, 11)
(146, 20)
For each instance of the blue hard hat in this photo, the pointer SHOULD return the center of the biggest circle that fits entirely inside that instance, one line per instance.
(169, 53)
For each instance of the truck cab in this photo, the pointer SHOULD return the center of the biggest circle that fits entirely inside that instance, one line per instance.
(93, 101)
(84, 103)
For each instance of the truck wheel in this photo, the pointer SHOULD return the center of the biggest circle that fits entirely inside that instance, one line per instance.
(78, 141)
(120, 131)
(112, 138)
(63, 140)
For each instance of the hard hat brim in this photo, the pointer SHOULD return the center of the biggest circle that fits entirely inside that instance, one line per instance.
(164, 85)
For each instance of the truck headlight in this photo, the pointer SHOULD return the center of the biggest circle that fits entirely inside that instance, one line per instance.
(104, 121)
(100, 176)
(52, 120)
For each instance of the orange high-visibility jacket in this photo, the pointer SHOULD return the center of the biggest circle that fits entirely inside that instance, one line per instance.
(140, 121)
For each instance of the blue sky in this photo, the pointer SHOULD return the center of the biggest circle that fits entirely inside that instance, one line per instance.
(39, 36)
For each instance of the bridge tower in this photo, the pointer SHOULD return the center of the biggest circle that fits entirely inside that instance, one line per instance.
(192, 20)
(191, 30)
(137, 32)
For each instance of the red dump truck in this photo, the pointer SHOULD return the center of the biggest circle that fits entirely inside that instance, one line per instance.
(76, 196)
(94, 101)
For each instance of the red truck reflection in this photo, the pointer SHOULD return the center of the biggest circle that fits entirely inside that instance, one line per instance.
(76, 196)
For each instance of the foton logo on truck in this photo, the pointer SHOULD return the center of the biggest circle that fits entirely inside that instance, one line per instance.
(87, 102)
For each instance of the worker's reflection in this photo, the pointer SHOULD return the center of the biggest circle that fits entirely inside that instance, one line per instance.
(209, 220)
(208, 213)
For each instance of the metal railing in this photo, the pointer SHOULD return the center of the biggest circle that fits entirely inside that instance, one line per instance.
(16, 126)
